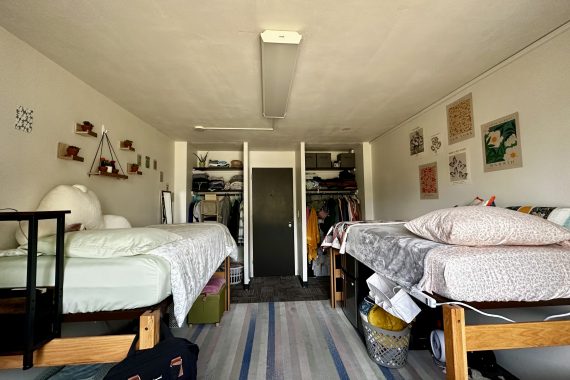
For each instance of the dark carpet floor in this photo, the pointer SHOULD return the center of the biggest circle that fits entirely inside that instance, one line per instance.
(280, 289)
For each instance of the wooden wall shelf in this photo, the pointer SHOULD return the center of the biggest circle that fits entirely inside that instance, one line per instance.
(62, 153)
(131, 170)
(113, 175)
(79, 129)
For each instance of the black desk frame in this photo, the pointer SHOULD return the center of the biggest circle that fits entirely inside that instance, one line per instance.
(33, 217)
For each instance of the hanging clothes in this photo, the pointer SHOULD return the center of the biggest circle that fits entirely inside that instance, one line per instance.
(313, 235)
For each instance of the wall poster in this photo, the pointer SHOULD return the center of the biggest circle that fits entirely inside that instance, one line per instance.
(458, 167)
(435, 143)
(502, 143)
(460, 119)
(416, 141)
(428, 181)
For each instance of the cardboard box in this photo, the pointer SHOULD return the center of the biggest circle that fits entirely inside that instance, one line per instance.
(346, 160)
(310, 160)
(324, 160)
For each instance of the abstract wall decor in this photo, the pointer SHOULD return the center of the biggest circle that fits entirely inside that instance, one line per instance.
(435, 143)
(428, 181)
(458, 168)
(24, 119)
(460, 119)
(416, 141)
(502, 143)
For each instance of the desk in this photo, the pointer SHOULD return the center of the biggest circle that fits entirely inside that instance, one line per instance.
(33, 217)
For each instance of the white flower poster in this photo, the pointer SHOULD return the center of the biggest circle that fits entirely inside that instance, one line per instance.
(502, 143)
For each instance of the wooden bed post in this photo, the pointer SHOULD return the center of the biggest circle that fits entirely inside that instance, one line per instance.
(455, 343)
(227, 274)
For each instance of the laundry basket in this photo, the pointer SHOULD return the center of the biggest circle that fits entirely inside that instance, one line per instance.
(236, 273)
(387, 348)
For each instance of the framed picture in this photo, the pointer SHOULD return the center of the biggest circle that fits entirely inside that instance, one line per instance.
(139, 160)
(154, 164)
(458, 167)
(147, 162)
(501, 140)
(460, 120)
(416, 141)
(166, 203)
(428, 181)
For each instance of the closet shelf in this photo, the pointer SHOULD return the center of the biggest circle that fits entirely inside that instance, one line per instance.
(350, 192)
(215, 168)
(218, 192)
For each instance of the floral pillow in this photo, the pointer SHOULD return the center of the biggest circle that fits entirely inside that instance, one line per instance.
(482, 226)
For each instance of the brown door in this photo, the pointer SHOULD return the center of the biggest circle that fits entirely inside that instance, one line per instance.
(272, 218)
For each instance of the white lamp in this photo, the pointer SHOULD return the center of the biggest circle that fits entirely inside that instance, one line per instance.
(279, 51)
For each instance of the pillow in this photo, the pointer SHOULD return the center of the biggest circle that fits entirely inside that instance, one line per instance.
(108, 243)
(115, 221)
(83, 203)
(481, 226)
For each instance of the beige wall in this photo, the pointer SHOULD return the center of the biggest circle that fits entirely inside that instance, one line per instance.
(29, 166)
(537, 86)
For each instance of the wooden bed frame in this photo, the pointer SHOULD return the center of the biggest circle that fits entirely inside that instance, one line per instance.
(105, 348)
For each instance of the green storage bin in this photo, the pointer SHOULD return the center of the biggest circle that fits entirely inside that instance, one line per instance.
(208, 308)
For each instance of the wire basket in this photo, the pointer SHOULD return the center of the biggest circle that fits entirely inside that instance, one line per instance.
(236, 273)
(387, 348)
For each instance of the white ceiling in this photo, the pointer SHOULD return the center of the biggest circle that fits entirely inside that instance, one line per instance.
(364, 65)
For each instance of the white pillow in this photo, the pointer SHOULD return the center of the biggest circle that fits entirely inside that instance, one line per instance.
(108, 243)
(480, 226)
(115, 221)
(83, 203)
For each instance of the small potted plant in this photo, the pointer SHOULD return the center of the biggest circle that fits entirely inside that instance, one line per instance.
(134, 168)
(72, 150)
(106, 165)
(127, 144)
(202, 159)
(87, 126)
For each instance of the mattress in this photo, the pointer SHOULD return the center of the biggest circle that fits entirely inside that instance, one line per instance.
(496, 273)
(92, 285)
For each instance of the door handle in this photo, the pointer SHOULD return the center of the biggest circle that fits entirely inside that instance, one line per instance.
(290, 224)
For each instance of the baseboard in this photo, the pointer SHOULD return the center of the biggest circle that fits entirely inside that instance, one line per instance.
(304, 284)
(245, 286)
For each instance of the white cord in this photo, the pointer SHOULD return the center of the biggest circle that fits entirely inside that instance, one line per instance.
(557, 316)
(477, 310)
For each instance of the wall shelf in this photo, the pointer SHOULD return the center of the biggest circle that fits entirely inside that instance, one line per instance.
(328, 169)
(80, 130)
(62, 153)
(229, 192)
(348, 192)
(114, 175)
(215, 168)
(133, 169)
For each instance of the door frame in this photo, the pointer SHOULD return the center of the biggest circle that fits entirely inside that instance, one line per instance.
(294, 213)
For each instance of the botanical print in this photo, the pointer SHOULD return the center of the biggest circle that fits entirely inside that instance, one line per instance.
(24, 119)
(139, 160)
(147, 162)
(435, 143)
(154, 164)
(458, 169)
(460, 120)
(502, 143)
(161, 177)
(416, 141)
(428, 181)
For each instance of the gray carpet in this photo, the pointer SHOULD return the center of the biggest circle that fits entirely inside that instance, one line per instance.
(281, 289)
(292, 340)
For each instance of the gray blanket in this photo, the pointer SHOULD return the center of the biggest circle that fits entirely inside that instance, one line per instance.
(390, 250)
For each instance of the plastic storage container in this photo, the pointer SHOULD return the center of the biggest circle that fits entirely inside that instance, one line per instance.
(387, 348)
(236, 273)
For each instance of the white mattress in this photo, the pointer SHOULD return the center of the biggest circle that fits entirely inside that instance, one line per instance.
(92, 285)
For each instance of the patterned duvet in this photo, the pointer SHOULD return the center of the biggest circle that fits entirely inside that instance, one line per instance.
(498, 273)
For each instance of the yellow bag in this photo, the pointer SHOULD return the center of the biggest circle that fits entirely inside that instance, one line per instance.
(381, 318)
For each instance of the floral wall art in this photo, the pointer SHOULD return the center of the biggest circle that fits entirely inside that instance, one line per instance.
(435, 143)
(502, 143)
(460, 120)
(458, 168)
(416, 141)
(428, 181)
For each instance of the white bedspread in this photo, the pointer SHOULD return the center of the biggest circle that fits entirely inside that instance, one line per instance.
(193, 260)
(498, 273)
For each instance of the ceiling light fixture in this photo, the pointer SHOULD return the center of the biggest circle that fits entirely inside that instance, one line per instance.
(279, 51)
(202, 128)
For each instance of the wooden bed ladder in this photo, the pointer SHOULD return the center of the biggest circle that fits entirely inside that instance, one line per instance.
(460, 338)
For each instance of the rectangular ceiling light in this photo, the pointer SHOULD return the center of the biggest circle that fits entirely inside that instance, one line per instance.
(279, 50)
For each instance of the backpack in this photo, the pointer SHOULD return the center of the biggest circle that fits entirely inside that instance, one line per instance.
(172, 358)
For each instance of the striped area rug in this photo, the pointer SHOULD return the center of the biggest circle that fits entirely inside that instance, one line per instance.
(292, 340)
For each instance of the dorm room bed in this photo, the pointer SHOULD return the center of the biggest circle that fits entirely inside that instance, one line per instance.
(115, 284)
(491, 277)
